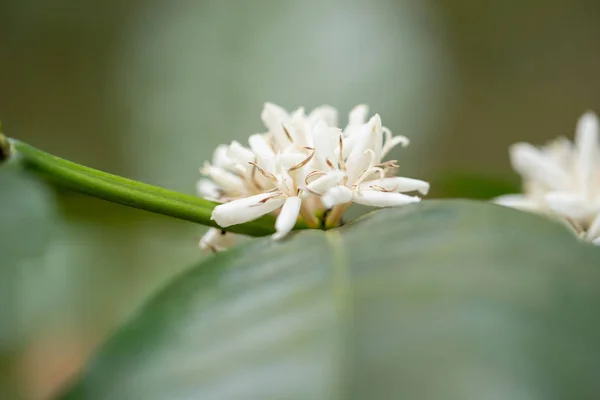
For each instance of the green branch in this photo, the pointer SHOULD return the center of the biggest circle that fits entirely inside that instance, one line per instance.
(126, 191)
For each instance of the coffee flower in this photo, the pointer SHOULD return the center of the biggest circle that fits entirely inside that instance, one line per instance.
(305, 167)
(562, 179)
(357, 172)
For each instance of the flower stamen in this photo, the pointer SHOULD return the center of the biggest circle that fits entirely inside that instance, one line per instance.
(304, 162)
(266, 174)
(391, 164)
(342, 163)
(287, 133)
(383, 189)
(275, 196)
(392, 141)
(312, 175)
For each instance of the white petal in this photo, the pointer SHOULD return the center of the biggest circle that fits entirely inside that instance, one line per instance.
(530, 162)
(517, 201)
(377, 130)
(246, 209)
(209, 239)
(325, 182)
(220, 158)
(561, 150)
(286, 183)
(324, 113)
(274, 117)
(370, 172)
(216, 240)
(358, 115)
(227, 180)
(260, 146)
(208, 189)
(569, 205)
(596, 241)
(586, 141)
(358, 160)
(290, 158)
(398, 184)
(336, 195)
(240, 154)
(300, 132)
(593, 231)
(326, 140)
(586, 133)
(298, 114)
(383, 199)
(349, 143)
(287, 217)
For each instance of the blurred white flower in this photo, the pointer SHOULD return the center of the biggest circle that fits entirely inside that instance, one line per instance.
(216, 240)
(562, 179)
(305, 167)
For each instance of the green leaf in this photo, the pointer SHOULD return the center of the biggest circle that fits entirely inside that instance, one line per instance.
(441, 300)
(26, 211)
(26, 220)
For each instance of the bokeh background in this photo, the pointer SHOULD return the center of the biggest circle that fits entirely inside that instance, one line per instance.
(147, 89)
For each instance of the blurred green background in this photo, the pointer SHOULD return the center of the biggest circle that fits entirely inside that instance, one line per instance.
(147, 89)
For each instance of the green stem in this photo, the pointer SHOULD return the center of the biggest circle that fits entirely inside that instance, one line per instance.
(128, 192)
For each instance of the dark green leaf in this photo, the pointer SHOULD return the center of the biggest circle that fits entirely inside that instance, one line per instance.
(441, 300)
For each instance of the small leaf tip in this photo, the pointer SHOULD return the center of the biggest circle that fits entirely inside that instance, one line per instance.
(5, 147)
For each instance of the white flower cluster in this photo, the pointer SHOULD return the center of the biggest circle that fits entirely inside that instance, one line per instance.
(306, 167)
(562, 179)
